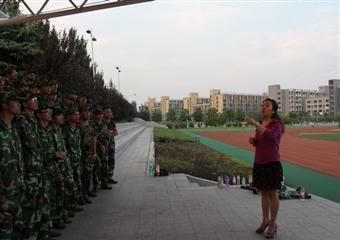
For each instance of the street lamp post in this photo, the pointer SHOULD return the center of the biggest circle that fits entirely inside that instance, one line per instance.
(118, 73)
(93, 39)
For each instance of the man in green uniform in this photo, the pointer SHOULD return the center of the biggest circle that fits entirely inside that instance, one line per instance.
(26, 127)
(51, 175)
(72, 140)
(102, 147)
(11, 170)
(88, 147)
(61, 213)
(111, 133)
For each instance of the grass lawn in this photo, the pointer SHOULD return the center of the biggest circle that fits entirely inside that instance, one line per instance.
(323, 136)
(180, 153)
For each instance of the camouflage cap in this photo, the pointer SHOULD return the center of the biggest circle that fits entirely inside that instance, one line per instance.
(71, 96)
(27, 95)
(57, 111)
(8, 96)
(43, 82)
(84, 108)
(43, 105)
(7, 69)
(98, 110)
(72, 108)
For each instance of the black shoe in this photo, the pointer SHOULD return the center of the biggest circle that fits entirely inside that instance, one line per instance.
(66, 220)
(92, 194)
(54, 234)
(81, 201)
(59, 225)
(106, 187)
(70, 214)
(112, 181)
(77, 209)
(87, 200)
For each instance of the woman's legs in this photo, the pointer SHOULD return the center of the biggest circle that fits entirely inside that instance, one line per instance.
(270, 208)
(274, 209)
(265, 207)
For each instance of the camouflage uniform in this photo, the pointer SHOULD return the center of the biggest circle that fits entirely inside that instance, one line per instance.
(49, 176)
(11, 183)
(73, 164)
(102, 141)
(59, 145)
(111, 149)
(87, 134)
(27, 130)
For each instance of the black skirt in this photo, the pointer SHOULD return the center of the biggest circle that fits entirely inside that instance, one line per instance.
(267, 176)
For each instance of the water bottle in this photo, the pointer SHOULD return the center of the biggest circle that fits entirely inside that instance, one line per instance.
(227, 180)
(250, 179)
(158, 170)
(243, 181)
(234, 180)
(302, 194)
(219, 182)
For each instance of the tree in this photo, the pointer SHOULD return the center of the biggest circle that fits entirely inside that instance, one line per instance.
(185, 115)
(198, 115)
(171, 115)
(143, 113)
(228, 115)
(239, 115)
(156, 115)
(211, 118)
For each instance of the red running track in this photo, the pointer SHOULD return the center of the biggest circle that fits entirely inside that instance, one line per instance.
(319, 155)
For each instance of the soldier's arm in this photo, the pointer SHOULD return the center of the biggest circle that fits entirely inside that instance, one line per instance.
(94, 147)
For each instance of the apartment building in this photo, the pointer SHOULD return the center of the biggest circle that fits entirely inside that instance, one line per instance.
(193, 101)
(233, 101)
(152, 105)
(334, 96)
(167, 104)
(292, 100)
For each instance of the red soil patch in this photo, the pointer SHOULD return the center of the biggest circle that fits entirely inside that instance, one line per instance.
(319, 155)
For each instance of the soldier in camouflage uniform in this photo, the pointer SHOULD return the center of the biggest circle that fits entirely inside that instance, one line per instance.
(88, 147)
(111, 133)
(102, 147)
(61, 215)
(72, 140)
(11, 170)
(26, 127)
(51, 176)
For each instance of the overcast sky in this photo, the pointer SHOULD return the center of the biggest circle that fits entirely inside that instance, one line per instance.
(171, 48)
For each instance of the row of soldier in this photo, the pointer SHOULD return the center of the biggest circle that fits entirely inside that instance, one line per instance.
(54, 155)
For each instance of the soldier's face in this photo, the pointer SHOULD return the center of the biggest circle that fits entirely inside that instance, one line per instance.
(82, 100)
(85, 115)
(52, 97)
(45, 115)
(59, 120)
(12, 75)
(31, 76)
(14, 107)
(45, 90)
(74, 117)
(99, 117)
(32, 104)
(107, 113)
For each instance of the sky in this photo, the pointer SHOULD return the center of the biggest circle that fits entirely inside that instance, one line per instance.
(171, 48)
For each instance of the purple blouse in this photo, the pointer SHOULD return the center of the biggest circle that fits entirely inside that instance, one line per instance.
(267, 144)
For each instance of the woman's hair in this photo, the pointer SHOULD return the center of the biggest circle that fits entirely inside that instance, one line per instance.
(275, 115)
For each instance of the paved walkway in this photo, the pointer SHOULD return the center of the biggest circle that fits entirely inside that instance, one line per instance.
(141, 207)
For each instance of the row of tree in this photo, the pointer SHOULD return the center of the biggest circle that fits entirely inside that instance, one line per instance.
(59, 56)
(228, 117)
